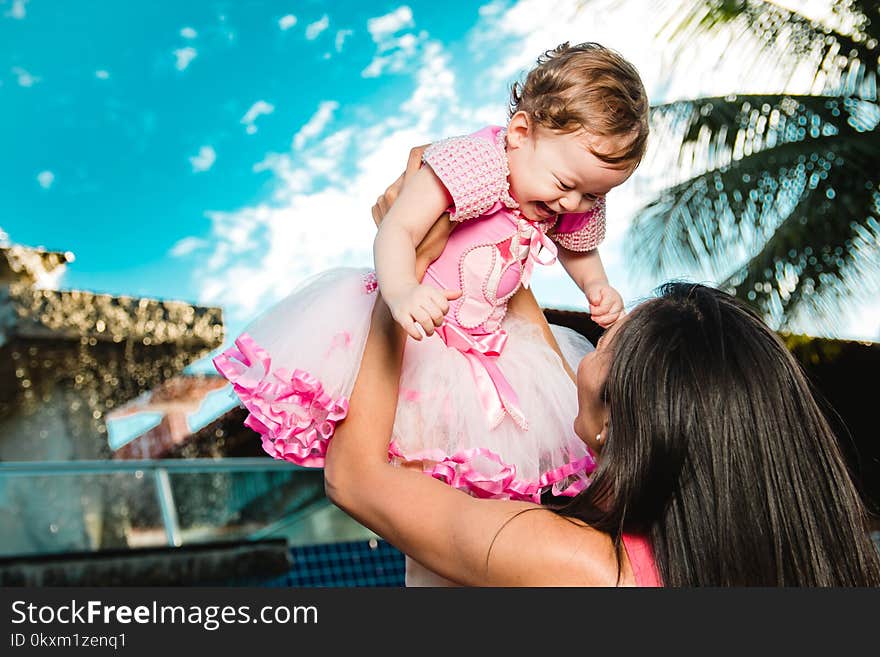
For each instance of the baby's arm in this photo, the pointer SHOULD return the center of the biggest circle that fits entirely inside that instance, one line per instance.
(415, 307)
(587, 271)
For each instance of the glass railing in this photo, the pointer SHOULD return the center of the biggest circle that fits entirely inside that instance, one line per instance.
(84, 506)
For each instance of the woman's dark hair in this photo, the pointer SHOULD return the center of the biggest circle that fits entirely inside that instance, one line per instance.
(719, 454)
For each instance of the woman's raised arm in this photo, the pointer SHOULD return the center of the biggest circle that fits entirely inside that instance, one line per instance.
(469, 541)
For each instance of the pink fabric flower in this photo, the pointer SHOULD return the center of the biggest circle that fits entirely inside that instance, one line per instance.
(371, 283)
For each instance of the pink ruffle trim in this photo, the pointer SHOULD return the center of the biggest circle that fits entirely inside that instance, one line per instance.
(291, 411)
(460, 472)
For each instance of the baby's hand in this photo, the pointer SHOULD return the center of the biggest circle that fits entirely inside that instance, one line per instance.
(420, 308)
(606, 304)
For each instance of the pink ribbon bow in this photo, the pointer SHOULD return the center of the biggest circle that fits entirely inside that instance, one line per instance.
(538, 243)
(481, 350)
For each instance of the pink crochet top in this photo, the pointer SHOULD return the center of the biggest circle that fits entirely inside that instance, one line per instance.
(474, 171)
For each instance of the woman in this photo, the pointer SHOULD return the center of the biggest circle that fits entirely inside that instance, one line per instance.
(716, 467)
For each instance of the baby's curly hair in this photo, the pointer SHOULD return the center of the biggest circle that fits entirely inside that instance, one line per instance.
(587, 87)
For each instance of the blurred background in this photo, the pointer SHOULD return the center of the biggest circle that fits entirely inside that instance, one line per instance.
(169, 170)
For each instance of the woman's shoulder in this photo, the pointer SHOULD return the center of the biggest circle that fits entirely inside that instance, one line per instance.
(546, 549)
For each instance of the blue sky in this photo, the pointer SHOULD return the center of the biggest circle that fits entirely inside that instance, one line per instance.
(222, 152)
(94, 94)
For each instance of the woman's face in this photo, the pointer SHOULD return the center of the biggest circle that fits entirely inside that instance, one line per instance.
(591, 375)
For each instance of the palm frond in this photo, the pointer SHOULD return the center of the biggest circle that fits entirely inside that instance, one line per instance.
(822, 255)
(710, 133)
(739, 212)
(775, 194)
(843, 51)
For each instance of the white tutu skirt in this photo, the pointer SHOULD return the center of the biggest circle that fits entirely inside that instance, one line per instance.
(294, 369)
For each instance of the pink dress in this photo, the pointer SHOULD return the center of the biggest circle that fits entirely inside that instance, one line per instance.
(485, 403)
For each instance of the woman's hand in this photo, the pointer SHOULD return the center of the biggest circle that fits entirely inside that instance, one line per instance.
(432, 245)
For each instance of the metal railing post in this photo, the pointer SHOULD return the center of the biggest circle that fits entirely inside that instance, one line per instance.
(166, 504)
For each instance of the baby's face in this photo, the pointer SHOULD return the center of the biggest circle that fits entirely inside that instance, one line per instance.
(553, 173)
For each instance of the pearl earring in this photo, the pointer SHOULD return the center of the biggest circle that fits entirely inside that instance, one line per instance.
(598, 437)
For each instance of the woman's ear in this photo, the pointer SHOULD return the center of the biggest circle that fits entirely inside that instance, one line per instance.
(519, 130)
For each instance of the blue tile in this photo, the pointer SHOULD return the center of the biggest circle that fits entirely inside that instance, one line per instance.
(357, 563)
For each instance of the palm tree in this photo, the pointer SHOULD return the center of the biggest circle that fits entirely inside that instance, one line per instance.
(776, 194)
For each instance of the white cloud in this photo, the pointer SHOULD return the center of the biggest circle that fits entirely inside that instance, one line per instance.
(256, 110)
(314, 29)
(374, 69)
(398, 53)
(383, 27)
(184, 57)
(492, 9)
(393, 53)
(101, 74)
(705, 68)
(265, 250)
(319, 215)
(435, 89)
(204, 160)
(188, 33)
(25, 79)
(341, 36)
(287, 22)
(18, 11)
(186, 246)
(316, 124)
(45, 179)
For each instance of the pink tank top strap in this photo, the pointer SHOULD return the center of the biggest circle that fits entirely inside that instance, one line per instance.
(641, 558)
